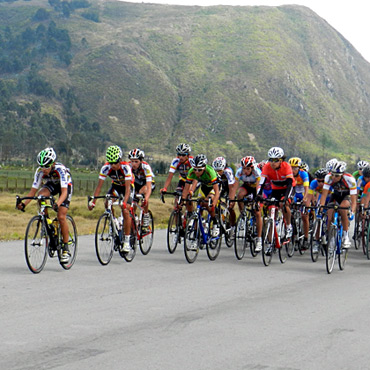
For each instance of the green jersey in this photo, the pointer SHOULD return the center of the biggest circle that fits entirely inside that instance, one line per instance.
(208, 178)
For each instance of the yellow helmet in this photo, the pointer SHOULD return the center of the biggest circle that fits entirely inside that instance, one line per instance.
(295, 162)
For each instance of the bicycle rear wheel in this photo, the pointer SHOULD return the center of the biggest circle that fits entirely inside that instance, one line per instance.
(240, 232)
(36, 245)
(268, 245)
(213, 245)
(146, 237)
(342, 258)
(367, 237)
(225, 225)
(72, 244)
(191, 241)
(357, 235)
(284, 245)
(104, 240)
(315, 233)
(173, 231)
(331, 250)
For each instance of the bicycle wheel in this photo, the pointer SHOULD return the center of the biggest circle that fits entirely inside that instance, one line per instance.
(342, 257)
(191, 241)
(225, 225)
(268, 244)
(367, 237)
(104, 240)
(36, 244)
(284, 245)
(72, 244)
(357, 234)
(315, 233)
(173, 231)
(213, 245)
(300, 235)
(250, 238)
(146, 237)
(240, 232)
(331, 249)
(129, 256)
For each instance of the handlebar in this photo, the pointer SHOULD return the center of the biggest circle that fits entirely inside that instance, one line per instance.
(174, 193)
(39, 197)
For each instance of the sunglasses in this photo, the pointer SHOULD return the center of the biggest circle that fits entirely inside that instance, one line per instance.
(274, 160)
(337, 175)
(182, 155)
(320, 180)
(47, 165)
(114, 162)
(198, 169)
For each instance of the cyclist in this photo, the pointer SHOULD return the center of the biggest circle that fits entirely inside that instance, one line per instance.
(301, 191)
(267, 184)
(55, 178)
(227, 184)
(360, 166)
(282, 180)
(143, 180)
(344, 193)
(122, 185)
(366, 191)
(204, 174)
(250, 175)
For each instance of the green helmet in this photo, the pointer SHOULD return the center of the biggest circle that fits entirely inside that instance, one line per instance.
(114, 154)
(46, 157)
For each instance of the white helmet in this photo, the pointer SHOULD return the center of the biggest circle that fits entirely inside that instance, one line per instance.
(329, 164)
(219, 164)
(362, 164)
(46, 157)
(275, 152)
(339, 167)
(199, 161)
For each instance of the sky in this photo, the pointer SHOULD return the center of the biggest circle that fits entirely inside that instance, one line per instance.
(350, 18)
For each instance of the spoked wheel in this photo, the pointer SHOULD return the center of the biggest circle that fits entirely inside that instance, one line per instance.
(104, 240)
(225, 225)
(146, 236)
(173, 231)
(342, 257)
(357, 235)
(129, 256)
(191, 241)
(240, 233)
(366, 239)
(268, 245)
(72, 244)
(315, 232)
(36, 245)
(284, 245)
(331, 250)
(250, 239)
(300, 236)
(213, 247)
(365, 236)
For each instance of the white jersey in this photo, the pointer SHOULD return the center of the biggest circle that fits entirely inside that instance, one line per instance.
(59, 175)
(251, 180)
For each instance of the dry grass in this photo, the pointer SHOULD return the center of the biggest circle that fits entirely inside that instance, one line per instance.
(13, 223)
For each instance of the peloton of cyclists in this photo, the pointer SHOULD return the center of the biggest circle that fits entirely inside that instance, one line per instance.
(122, 184)
(55, 178)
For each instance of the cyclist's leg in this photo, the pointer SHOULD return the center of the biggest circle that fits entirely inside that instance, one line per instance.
(345, 222)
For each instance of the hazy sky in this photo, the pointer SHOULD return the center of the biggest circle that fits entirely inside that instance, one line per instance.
(350, 18)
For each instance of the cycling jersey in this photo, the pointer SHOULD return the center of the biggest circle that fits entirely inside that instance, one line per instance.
(356, 174)
(360, 185)
(59, 176)
(208, 178)
(182, 168)
(346, 185)
(278, 177)
(302, 180)
(250, 180)
(143, 174)
(366, 189)
(226, 179)
(118, 176)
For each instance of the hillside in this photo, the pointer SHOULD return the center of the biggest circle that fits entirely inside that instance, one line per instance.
(228, 80)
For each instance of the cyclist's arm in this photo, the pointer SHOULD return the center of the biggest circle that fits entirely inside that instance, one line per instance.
(148, 191)
(127, 191)
(186, 190)
(168, 181)
(98, 188)
(216, 197)
(324, 194)
(232, 191)
(288, 190)
(354, 202)
(31, 193)
(63, 196)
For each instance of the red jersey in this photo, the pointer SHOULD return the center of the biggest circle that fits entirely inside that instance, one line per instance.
(278, 178)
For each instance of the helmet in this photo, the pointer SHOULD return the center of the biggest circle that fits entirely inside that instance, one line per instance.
(261, 164)
(295, 162)
(366, 171)
(321, 173)
(339, 167)
(248, 161)
(275, 152)
(330, 163)
(183, 149)
(305, 166)
(362, 164)
(199, 161)
(113, 154)
(46, 157)
(136, 154)
(219, 163)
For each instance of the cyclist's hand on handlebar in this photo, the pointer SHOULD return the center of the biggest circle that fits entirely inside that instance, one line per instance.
(144, 203)
(163, 190)
(21, 206)
(91, 205)
(55, 207)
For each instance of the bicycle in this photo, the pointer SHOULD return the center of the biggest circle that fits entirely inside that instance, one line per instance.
(198, 233)
(109, 232)
(297, 223)
(334, 248)
(359, 235)
(224, 216)
(366, 232)
(43, 236)
(318, 235)
(274, 234)
(144, 234)
(176, 223)
(246, 229)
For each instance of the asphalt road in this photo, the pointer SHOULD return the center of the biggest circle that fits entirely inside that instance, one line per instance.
(159, 312)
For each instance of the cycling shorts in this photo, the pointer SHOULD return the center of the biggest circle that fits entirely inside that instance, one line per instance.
(56, 189)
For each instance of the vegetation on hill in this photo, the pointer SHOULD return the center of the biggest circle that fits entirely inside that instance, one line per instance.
(230, 81)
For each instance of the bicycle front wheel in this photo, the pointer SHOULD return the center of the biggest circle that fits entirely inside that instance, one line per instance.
(268, 246)
(225, 225)
(129, 256)
(36, 244)
(72, 244)
(342, 257)
(173, 231)
(315, 234)
(146, 236)
(240, 233)
(104, 240)
(331, 250)
(191, 241)
(213, 246)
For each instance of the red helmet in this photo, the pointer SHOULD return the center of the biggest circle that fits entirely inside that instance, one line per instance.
(248, 161)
